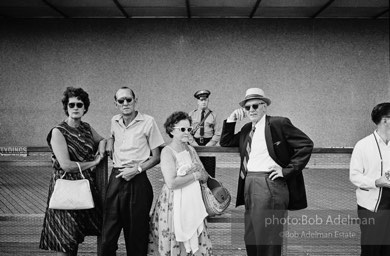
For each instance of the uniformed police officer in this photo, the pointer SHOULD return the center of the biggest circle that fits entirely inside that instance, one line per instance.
(205, 131)
(204, 123)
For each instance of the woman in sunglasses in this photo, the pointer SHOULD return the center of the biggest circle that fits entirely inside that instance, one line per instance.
(73, 143)
(178, 225)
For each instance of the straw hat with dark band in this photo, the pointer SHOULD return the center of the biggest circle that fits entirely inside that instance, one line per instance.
(255, 93)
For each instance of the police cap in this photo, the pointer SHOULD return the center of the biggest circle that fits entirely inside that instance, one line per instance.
(202, 93)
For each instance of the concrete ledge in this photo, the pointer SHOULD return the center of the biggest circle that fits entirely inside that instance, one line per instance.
(330, 150)
(334, 158)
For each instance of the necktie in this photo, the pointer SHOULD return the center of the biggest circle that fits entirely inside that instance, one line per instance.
(201, 133)
(247, 151)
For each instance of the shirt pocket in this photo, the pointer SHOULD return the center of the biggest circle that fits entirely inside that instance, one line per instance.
(131, 142)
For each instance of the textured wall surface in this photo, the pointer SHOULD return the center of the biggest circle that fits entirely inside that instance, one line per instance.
(326, 75)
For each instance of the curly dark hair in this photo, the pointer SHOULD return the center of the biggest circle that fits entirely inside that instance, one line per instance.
(173, 119)
(381, 110)
(79, 93)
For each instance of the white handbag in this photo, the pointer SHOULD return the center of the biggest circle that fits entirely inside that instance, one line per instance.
(71, 194)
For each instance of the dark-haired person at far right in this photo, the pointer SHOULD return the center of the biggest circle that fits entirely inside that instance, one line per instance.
(369, 172)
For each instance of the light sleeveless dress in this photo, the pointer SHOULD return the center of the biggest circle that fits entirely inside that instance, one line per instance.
(178, 225)
(189, 211)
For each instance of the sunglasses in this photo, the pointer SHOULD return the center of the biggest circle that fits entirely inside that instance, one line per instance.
(254, 106)
(78, 104)
(183, 129)
(122, 100)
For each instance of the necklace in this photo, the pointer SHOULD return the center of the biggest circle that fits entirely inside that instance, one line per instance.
(76, 128)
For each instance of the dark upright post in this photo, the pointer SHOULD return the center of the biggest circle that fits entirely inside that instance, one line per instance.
(101, 181)
(209, 164)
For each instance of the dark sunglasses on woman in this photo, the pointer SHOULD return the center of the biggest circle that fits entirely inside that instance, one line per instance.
(78, 104)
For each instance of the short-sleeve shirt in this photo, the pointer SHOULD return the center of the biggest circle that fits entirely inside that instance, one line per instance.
(133, 143)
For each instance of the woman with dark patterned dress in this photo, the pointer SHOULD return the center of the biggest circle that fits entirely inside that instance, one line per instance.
(73, 141)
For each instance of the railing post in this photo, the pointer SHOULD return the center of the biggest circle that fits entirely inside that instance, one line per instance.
(209, 164)
(101, 181)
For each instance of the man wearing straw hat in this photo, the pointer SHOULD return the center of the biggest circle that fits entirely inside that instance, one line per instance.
(273, 154)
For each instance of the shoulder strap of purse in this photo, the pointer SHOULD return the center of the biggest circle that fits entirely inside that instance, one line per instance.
(201, 123)
(173, 153)
(78, 165)
(194, 159)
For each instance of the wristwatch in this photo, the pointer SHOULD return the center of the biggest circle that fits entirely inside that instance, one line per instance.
(139, 168)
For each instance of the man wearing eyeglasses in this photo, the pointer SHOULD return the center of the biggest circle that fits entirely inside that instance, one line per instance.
(206, 131)
(134, 148)
(273, 154)
(370, 172)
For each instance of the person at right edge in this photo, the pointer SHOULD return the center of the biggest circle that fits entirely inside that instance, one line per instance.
(369, 172)
(273, 154)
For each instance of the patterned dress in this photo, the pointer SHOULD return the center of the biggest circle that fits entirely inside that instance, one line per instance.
(162, 239)
(63, 230)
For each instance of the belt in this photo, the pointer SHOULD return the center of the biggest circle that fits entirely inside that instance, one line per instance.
(202, 140)
(261, 174)
(116, 171)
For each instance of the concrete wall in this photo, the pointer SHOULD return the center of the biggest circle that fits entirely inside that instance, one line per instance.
(326, 75)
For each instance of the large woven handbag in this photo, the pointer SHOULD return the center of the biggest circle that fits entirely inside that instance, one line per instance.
(71, 194)
(216, 197)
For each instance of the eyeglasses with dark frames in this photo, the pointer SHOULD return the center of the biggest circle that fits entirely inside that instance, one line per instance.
(122, 100)
(73, 104)
(183, 129)
(254, 106)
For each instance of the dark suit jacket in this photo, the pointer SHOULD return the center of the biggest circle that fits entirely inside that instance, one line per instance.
(288, 146)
